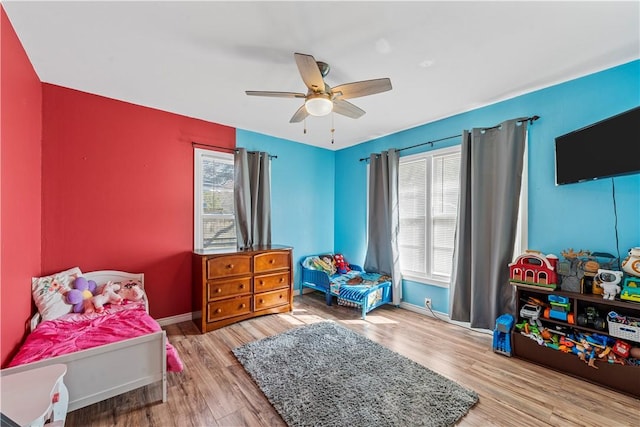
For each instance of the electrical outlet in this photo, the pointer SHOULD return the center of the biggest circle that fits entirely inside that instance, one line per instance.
(427, 302)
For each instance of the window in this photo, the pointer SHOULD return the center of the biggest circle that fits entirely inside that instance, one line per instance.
(214, 225)
(428, 196)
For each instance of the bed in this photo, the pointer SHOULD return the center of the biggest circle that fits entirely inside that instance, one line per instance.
(352, 288)
(106, 354)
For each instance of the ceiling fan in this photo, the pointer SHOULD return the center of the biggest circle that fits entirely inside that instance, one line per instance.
(320, 98)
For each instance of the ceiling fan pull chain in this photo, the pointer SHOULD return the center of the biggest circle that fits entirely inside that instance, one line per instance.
(332, 127)
(305, 126)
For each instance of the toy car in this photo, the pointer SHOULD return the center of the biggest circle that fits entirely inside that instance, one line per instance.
(531, 312)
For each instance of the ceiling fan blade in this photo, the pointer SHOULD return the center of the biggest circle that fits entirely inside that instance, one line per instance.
(275, 94)
(310, 72)
(363, 88)
(347, 109)
(299, 115)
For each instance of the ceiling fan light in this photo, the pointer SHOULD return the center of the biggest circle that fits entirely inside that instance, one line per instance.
(319, 105)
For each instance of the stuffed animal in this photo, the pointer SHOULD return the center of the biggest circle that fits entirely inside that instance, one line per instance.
(131, 290)
(341, 264)
(109, 295)
(80, 295)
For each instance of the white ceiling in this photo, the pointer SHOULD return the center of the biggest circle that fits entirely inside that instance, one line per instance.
(443, 58)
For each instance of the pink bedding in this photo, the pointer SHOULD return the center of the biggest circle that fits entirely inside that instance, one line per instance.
(74, 332)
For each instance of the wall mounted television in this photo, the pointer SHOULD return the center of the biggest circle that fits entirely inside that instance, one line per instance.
(604, 149)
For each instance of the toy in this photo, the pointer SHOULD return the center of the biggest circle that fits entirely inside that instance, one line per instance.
(131, 291)
(502, 334)
(570, 272)
(534, 268)
(560, 309)
(80, 295)
(591, 318)
(107, 296)
(531, 312)
(608, 280)
(341, 264)
(580, 268)
(631, 264)
(587, 350)
(621, 348)
(630, 289)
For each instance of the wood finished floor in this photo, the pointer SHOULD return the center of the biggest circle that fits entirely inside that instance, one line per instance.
(214, 389)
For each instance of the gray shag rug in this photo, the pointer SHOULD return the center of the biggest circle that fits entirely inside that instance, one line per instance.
(324, 374)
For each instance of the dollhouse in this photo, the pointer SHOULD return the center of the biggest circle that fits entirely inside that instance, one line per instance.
(534, 268)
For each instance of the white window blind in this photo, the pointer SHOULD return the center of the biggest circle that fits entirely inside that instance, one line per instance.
(214, 208)
(428, 197)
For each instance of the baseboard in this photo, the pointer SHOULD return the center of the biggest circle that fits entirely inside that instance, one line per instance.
(404, 305)
(424, 311)
(441, 316)
(296, 292)
(174, 319)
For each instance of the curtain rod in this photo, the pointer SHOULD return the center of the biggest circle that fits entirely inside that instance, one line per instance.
(527, 119)
(199, 144)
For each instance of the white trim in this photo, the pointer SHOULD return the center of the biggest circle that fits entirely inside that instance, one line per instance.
(427, 157)
(521, 243)
(198, 155)
(427, 281)
(197, 196)
(424, 311)
(442, 316)
(184, 317)
(436, 151)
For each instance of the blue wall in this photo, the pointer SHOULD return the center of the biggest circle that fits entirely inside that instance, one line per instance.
(302, 187)
(578, 216)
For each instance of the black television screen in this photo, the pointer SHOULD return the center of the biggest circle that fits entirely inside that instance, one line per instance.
(607, 148)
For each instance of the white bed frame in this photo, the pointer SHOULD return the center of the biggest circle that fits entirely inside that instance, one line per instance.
(106, 371)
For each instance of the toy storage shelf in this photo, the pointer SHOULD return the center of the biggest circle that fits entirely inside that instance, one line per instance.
(625, 379)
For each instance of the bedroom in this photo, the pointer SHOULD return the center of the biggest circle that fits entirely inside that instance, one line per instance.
(84, 159)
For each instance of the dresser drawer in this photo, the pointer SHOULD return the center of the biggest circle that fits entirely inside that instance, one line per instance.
(223, 309)
(270, 282)
(270, 299)
(226, 288)
(231, 265)
(269, 261)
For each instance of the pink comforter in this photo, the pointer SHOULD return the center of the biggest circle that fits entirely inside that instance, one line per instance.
(74, 332)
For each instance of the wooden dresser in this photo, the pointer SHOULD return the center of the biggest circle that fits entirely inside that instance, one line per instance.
(230, 286)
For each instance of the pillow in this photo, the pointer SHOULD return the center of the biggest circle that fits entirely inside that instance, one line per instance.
(48, 293)
(322, 263)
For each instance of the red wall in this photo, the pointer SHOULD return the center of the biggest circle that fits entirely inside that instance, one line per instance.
(117, 191)
(20, 186)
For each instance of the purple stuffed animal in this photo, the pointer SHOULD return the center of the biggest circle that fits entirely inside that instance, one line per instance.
(80, 295)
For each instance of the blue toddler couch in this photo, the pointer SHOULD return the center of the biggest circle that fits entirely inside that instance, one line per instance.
(353, 288)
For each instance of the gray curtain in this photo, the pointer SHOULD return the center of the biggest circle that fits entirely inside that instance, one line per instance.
(252, 198)
(490, 181)
(384, 219)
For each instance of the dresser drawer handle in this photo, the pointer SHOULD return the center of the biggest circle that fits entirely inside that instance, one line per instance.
(280, 296)
(219, 310)
(281, 279)
(271, 261)
(218, 290)
(262, 282)
(242, 286)
(261, 301)
(243, 305)
(229, 266)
